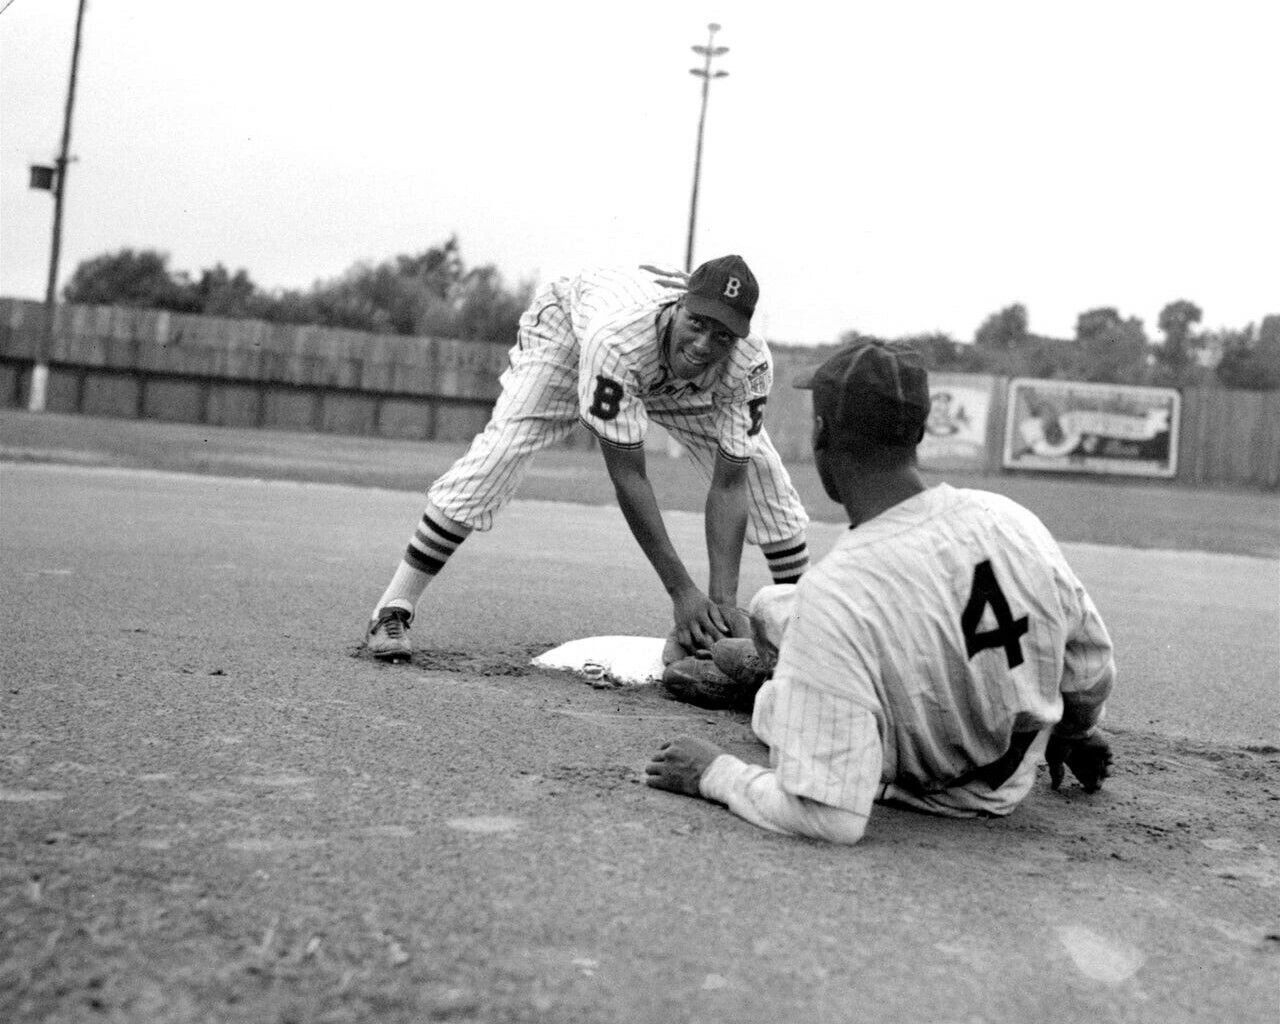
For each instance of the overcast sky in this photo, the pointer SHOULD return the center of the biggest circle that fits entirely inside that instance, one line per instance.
(894, 168)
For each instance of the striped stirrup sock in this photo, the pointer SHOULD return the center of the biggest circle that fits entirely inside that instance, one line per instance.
(787, 559)
(434, 541)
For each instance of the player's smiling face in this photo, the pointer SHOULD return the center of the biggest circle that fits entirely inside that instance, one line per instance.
(697, 343)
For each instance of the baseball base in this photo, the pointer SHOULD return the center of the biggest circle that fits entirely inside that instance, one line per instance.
(608, 661)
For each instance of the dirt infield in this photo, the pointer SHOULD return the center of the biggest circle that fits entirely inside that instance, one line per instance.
(527, 881)
(214, 808)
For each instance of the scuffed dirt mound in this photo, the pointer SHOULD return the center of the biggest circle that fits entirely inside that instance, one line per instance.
(511, 661)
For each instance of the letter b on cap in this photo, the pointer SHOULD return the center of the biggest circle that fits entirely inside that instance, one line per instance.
(732, 288)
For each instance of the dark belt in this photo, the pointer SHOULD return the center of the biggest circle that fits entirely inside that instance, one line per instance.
(999, 771)
(993, 775)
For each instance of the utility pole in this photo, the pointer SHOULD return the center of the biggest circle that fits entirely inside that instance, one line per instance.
(58, 185)
(706, 74)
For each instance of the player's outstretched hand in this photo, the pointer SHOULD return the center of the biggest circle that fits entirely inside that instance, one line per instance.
(1088, 757)
(680, 764)
(700, 622)
(739, 623)
(738, 620)
(673, 650)
(668, 278)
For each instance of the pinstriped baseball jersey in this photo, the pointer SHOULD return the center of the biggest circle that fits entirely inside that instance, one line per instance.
(914, 652)
(589, 350)
(623, 377)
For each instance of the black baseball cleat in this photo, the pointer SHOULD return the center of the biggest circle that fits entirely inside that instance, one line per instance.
(387, 638)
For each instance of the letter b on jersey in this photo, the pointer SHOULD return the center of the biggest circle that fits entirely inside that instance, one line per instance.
(607, 399)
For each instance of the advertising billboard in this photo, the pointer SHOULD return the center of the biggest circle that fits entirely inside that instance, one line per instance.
(1070, 426)
(955, 435)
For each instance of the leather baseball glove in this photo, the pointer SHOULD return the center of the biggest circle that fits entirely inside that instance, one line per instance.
(698, 681)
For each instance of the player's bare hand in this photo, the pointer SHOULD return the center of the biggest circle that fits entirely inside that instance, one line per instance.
(668, 278)
(737, 619)
(737, 624)
(680, 764)
(700, 622)
(1088, 757)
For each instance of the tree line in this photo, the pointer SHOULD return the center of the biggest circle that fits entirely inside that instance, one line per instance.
(430, 294)
(435, 294)
(1111, 348)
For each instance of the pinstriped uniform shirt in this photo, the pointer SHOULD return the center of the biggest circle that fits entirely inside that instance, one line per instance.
(623, 376)
(916, 648)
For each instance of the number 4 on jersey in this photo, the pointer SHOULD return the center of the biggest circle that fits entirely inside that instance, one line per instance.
(986, 593)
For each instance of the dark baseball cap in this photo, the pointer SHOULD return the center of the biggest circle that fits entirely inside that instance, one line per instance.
(871, 390)
(725, 290)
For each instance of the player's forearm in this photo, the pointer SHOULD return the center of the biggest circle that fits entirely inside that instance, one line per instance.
(726, 527)
(640, 509)
(1089, 671)
(1081, 711)
(754, 793)
(1088, 663)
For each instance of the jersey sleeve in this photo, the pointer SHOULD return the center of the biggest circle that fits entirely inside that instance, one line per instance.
(755, 794)
(817, 714)
(608, 394)
(1088, 664)
(1088, 667)
(740, 404)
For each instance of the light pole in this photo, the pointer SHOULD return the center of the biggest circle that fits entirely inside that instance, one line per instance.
(57, 185)
(706, 74)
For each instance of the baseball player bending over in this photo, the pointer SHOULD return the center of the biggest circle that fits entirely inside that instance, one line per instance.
(928, 660)
(614, 349)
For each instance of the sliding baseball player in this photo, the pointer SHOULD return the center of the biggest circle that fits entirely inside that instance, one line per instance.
(930, 659)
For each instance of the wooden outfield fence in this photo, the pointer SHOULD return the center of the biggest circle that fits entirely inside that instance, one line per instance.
(144, 363)
(1230, 437)
(119, 361)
